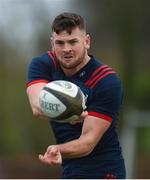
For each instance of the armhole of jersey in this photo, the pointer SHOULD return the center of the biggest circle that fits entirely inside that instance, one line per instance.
(53, 58)
(36, 81)
(100, 115)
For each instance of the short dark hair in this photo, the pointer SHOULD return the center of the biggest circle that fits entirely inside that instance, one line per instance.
(67, 22)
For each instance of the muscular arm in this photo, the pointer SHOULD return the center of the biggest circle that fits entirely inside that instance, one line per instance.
(92, 132)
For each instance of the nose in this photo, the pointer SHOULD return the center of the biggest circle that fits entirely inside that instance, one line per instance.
(67, 47)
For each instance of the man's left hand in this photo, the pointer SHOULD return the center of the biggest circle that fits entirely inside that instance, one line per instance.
(52, 156)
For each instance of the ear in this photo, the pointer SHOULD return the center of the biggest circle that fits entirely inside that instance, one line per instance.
(52, 43)
(87, 41)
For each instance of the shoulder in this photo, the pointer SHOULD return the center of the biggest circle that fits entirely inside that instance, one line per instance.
(41, 68)
(102, 76)
(46, 59)
(40, 60)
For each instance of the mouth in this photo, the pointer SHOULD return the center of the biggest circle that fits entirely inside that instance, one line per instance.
(68, 57)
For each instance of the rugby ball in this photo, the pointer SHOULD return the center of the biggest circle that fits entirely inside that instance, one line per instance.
(62, 101)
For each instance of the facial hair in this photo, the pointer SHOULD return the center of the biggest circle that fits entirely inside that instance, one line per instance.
(75, 64)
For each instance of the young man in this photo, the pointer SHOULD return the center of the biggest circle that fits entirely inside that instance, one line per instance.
(87, 147)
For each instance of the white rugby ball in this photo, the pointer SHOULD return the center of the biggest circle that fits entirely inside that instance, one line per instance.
(62, 101)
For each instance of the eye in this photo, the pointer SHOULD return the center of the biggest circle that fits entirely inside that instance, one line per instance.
(59, 42)
(73, 42)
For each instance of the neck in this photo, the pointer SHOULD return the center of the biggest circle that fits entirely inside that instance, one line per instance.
(70, 72)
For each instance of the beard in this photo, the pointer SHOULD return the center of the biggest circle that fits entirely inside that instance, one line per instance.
(74, 64)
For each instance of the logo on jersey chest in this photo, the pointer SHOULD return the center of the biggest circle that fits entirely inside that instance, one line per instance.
(82, 74)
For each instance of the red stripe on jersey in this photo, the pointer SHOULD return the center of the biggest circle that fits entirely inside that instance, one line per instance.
(95, 72)
(101, 77)
(92, 80)
(37, 81)
(52, 56)
(100, 115)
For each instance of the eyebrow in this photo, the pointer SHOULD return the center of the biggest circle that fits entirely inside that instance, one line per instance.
(74, 39)
(61, 41)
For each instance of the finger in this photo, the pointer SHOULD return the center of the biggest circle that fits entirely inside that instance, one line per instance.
(72, 122)
(54, 151)
(48, 151)
(83, 114)
(41, 158)
(44, 160)
(76, 121)
(55, 163)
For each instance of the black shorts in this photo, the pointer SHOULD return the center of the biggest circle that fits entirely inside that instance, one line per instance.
(114, 169)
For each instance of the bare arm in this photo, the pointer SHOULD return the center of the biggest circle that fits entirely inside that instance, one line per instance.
(93, 130)
(33, 93)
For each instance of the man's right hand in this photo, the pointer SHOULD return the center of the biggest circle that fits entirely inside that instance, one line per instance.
(80, 119)
(33, 93)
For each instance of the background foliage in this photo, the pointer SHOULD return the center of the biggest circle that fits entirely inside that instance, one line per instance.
(120, 37)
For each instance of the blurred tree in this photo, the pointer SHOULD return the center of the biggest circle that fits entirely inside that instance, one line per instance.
(120, 37)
